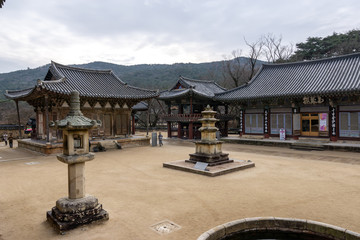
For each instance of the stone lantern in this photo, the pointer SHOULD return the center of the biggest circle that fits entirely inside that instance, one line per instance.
(77, 209)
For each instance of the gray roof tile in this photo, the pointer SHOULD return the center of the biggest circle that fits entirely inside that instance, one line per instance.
(331, 76)
(200, 88)
(89, 83)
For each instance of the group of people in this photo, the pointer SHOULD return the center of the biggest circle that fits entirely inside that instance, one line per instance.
(7, 138)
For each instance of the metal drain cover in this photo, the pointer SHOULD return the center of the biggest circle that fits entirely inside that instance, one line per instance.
(165, 227)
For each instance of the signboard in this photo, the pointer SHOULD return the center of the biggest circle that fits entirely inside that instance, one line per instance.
(323, 122)
(241, 121)
(282, 133)
(333, 121)
(266, 121)
(201, 166)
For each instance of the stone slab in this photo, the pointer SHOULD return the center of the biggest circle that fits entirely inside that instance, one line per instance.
(62, 227)
(213, 171)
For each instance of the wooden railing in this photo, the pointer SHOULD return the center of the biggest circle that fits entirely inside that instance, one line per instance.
(193, 117)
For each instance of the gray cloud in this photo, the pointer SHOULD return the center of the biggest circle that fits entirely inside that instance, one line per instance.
(157, 31)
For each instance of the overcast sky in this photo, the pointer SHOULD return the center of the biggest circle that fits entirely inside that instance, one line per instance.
(34, 32)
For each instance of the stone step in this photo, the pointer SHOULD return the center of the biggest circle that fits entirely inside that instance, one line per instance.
(307, 146)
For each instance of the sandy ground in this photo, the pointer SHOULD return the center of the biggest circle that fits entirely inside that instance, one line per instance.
(138, 192)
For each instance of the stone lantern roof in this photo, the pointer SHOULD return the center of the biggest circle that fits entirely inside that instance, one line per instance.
(75, 119)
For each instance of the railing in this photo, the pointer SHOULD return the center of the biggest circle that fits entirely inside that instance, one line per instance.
(193, 117)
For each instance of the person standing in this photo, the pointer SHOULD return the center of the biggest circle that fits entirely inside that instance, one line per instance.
(160, 139)
(5, 137)
(11, 139)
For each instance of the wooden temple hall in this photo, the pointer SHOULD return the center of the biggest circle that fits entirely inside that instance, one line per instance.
(185, 101)
(319, 98)
(103, 96)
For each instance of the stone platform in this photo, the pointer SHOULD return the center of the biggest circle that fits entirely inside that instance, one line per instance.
(54, 148)
(213, 171)
(71, 213)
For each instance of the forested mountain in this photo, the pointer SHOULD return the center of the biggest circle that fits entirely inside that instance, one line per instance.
(152, 76)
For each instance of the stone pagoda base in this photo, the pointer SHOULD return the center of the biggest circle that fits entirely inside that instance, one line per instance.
(211, 159)
(210, 171)
(71, 213)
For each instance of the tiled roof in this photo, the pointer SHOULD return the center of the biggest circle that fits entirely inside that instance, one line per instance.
(141, 106)
(326, 77)
(201, 88)
(89, 83)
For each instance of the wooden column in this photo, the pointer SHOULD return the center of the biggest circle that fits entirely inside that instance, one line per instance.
(179, 130)
(191, 130)
(169, 129)
(133, 123)
(18, 115)
(47, 129)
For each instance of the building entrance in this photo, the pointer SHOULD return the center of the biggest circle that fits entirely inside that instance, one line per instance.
(310, 124)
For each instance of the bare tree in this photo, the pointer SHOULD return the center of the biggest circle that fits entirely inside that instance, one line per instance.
(234, 69)
(255, 51)
(274, 50)
(239, 70)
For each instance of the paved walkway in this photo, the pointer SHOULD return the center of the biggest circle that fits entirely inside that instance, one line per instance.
(138, 192)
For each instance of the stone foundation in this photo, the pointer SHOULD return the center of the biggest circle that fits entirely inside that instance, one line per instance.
(71, 213)
(211, 159)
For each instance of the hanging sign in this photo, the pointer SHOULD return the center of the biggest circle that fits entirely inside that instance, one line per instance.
(266, 120)
(313, 100)
(333, 121)
(241, 121)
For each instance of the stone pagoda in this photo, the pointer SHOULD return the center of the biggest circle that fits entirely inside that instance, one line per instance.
(209, 160)
(77, 209)
(208, 150)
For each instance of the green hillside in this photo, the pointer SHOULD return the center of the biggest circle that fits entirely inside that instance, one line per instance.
(151, 76)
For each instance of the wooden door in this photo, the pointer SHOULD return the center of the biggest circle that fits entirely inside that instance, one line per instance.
(310, 124)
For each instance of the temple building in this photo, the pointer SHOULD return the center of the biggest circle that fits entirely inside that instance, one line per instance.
(318, 98)
(103, 96)
(186, 100)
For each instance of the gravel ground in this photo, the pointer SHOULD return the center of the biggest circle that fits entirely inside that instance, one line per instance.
(138, 192)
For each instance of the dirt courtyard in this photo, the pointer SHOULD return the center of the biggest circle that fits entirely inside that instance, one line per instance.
(138, 192)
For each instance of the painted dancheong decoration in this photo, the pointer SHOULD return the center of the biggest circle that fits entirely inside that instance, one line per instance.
(77, 209)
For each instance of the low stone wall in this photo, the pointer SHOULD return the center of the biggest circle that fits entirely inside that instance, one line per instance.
(317, 230)
(40, 146)
(124, 142)
(56, 148)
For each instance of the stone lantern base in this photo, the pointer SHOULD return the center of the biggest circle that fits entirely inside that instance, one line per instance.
(72, 213)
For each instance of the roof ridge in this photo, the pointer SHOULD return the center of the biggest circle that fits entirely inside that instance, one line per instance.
(196, 80)
(79, 68)
(333, 58)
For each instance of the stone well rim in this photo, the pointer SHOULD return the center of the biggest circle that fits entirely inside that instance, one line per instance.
(292, 225)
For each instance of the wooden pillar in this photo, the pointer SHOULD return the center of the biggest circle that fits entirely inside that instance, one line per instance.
(191, 105)
(191, 130)
(179, 135)
(169, 129)
(133, 123)
(18, 115)
(226, 125)
(47, 118)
